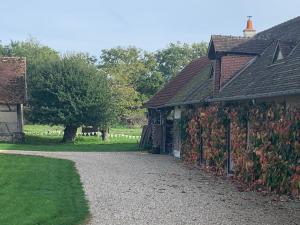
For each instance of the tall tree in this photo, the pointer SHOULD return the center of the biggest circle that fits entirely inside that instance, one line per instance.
(134, 77)
(149, 80)
(177, 55)
(72, 92)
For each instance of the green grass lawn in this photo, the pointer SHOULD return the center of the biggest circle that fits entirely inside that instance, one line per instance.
(46, 138)
(40, 191)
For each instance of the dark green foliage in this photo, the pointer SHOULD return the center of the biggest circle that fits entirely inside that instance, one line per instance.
(72, 92)
(65, 90)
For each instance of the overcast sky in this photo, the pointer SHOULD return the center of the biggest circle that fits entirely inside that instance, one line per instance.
(92, 25)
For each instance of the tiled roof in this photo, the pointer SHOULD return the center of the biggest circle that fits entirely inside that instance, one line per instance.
(12, 80)
(166, 96)
(261, 77)
(196, 90)
(286, 47)
(287, 31)
(252, 46)
(224, 43)
(265, 79)
(240, 45)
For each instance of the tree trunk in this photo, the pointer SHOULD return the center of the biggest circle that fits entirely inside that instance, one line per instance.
(69, 133)
(104, 135)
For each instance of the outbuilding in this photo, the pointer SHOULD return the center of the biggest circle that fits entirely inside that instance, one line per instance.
(12, 98)
(236, 111)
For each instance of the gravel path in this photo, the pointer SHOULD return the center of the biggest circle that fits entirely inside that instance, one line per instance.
(139, 188)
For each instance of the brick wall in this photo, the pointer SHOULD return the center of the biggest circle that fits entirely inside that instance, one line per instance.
(217, 75)
(230, 65)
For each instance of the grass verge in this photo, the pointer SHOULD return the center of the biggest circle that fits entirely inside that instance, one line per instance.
(86, 144)
(38, 139)
(38, 190)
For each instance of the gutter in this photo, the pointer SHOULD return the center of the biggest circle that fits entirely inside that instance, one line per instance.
(254, 96)
(181, 103)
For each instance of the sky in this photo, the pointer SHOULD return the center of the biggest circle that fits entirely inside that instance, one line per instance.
(92, 25)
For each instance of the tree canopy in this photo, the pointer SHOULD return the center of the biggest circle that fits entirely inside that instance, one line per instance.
(134, 78)
(177, 55)
(80, 89)
(63, 90)
(71, 91)
(136, 75)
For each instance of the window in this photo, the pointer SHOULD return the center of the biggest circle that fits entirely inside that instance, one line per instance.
(278, 54)
(211, 73)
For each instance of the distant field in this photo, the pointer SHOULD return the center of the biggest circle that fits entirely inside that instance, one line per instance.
(47, 138)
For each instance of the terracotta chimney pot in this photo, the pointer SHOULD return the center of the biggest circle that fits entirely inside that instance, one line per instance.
(249, 31)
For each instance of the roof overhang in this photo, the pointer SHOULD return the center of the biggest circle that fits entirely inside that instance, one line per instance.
(256, 96)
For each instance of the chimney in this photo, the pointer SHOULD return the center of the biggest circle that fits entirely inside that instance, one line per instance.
(249, 31)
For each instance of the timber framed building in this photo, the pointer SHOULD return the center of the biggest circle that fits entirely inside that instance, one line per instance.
(12, 98)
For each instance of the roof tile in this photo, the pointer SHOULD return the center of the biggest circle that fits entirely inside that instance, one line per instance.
(176, 84)
(12, 80)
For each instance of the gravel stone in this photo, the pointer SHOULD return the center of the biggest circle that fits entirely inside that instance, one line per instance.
(140, 188)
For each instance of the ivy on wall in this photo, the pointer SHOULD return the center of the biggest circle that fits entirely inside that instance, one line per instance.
(213, 123)
(264, 143)
(190, 138)
(275, 136)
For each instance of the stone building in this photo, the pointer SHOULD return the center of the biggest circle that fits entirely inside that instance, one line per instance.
(12, 98)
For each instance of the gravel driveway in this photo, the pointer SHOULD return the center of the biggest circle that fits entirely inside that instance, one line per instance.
(139, 188)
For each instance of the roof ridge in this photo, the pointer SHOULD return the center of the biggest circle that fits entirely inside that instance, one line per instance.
(241, 37)
(229, 36)
(287, 41)
(280, 24)
(197, 59)
(277, 31)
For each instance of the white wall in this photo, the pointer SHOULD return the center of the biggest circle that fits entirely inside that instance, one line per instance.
(177, 135)
(9, 119)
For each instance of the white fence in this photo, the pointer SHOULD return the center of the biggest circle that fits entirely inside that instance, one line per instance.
(60, 133)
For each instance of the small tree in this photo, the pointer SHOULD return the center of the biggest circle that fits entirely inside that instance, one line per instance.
(72, 92)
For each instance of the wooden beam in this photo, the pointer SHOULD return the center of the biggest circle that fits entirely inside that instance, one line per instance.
(164, 131)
